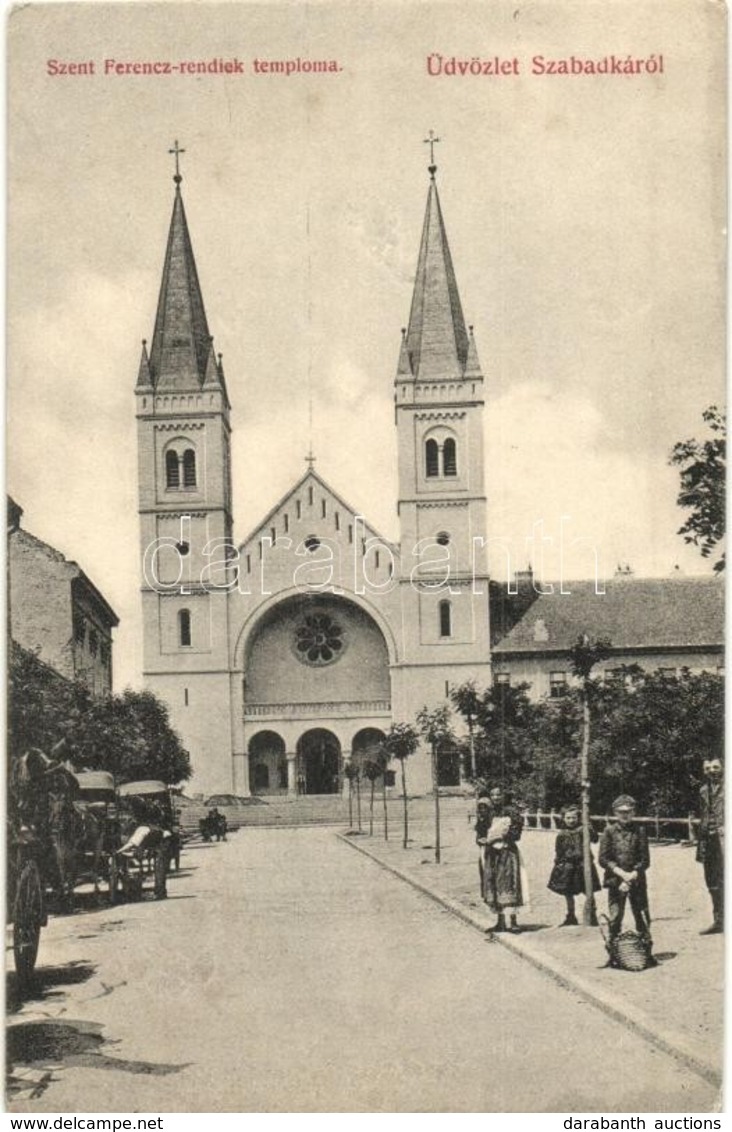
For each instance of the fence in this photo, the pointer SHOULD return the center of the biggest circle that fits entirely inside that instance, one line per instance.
(660, 827)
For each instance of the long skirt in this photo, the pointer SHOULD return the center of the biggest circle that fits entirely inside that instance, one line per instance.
(502, 880)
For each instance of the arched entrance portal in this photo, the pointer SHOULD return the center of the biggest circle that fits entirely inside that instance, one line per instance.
(319, 762)
(267, 763)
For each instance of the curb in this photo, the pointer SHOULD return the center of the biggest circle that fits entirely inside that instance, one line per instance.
(668, 1041)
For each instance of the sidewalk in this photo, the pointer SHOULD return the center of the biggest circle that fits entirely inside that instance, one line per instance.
(678, 1004)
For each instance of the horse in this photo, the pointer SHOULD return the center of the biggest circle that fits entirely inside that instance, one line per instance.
(75, 832)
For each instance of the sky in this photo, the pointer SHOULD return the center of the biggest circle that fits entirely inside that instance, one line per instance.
(585, 217)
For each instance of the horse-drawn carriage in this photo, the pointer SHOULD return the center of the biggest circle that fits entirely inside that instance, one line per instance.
(97, 831)
(153, 843)
(29, 857)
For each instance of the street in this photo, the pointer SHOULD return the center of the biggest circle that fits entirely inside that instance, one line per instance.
(287, 973)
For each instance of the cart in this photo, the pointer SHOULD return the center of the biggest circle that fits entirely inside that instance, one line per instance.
(99, 837)
(148, 821)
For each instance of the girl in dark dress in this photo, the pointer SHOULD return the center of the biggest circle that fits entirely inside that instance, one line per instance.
(568, 876)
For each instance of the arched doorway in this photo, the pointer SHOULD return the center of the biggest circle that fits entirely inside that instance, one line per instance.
(319, 762)
(367, 743)
(267, 763)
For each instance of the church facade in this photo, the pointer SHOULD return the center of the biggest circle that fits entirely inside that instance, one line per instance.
(282, 657)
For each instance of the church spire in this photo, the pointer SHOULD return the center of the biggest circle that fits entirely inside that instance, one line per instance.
(437, 341)
(181, 341)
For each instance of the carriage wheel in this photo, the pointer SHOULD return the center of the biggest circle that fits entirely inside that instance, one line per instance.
(161, 869)
(27, 920)
(113, 877)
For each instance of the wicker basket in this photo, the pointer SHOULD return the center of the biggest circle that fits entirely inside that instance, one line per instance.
(632, 951)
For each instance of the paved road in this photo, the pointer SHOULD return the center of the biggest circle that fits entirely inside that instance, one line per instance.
(288, 973)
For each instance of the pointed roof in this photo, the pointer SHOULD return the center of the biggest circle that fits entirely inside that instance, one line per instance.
(437, 340)
(181, 341)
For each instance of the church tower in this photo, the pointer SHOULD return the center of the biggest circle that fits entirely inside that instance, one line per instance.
(442, 505)
(186, 511)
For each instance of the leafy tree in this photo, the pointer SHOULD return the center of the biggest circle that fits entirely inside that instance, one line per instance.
(436, 730)
(373, 765)
(501, 719)
(401, 741)
(128, 734)
(703, 468)
(351, 772)
(466, 701)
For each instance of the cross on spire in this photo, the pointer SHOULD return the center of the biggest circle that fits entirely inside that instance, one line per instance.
(310, 459)
(430, 141)
(176, 151)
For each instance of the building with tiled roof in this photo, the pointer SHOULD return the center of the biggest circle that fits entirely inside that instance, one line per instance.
(669, 623)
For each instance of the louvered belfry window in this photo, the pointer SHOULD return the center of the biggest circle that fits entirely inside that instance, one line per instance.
(172, 470)
(449, 457)
(189, 468)
(432, 458)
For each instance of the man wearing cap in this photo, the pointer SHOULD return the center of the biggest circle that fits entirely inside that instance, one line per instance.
(710, 846)
(624, 857)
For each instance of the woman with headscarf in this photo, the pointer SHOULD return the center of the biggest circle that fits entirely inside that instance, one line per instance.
(503, 884)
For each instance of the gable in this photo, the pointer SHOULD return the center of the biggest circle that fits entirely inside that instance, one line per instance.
(310, 534)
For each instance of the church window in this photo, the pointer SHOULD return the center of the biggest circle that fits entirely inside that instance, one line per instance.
(312, 542)
(432, 458)
(318, 639)
(185, 696)
(445, 619)
(443, 538)
(273, 533)
(337, 519)
(189, 468)
(310, 496)
(323, 508)
(299, 509)
(376, 559)
(350, 532)
(184, 627)
(172, 470)
(449, 457)
(286, 520)
(93, 642)
(249, 563)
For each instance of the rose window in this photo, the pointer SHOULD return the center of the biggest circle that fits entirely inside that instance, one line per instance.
(318, 639)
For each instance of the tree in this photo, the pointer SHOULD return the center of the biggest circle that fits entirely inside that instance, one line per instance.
(401, 741)
(128, 735)
(373, 765)
(351, 772)
(703, 469)
(466, 701)
(583, 657)
(502, 745)
(435, 728)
